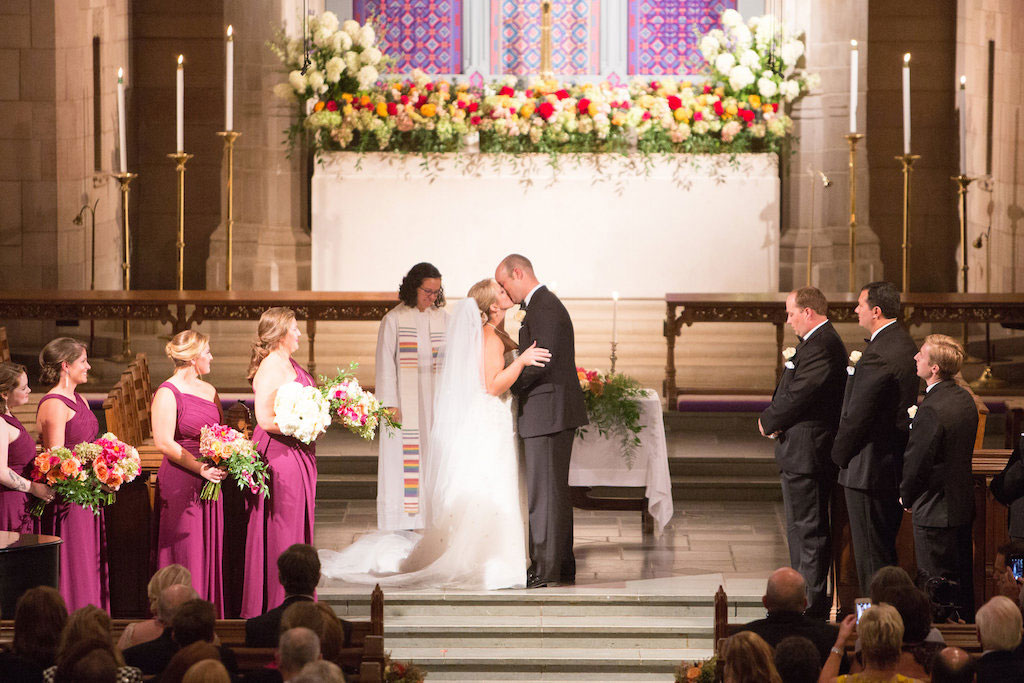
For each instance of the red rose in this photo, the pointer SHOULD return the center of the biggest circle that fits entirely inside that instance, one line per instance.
(546, 110)
(646, 115)
(561, 94)
(698, 115)
(473, 106)
(475, 120)
(529, 93)
(507, 91)
(707, 88)
(655, 85)
(392, 108)
(461, 104)
(421, 101)
(404, 99)
(511, 110)
(719, 109)
(775, 107)
(332, 105)
(429, 87)
(674, 102)
(583, 105)
(747, 115)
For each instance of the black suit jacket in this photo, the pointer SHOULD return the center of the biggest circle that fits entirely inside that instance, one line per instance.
(1001, 666)
(1008, 488)
(778, 626)
(153, 655)
(264, 630)
(807, 402)
(550, 398)
(937, 483)
(874, 424)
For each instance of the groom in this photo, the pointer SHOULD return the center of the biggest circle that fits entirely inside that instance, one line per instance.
(551, 407)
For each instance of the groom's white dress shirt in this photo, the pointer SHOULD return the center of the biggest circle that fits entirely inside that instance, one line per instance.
(526, 301)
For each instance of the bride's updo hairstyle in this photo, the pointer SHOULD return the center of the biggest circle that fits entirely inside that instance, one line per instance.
(274, 324)
(486, 293)
(59, 351)
(186, 346)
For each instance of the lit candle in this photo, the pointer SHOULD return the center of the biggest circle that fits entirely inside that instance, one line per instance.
(180, 104)
(122, 137)
(853, 86)
(906, 103)
(229, 85)
(963, 125)
(615, 312)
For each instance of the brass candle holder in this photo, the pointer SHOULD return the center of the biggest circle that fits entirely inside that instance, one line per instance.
(852, 139)
(124, 179)
(613, 357)
(962, 182)
(908, 167)
(180, 159)
(545, 40)
(229, 148)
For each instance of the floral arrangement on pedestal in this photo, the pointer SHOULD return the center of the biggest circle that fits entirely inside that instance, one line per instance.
(750, 80)
(402, 672)
(613, 408)
(697, 672)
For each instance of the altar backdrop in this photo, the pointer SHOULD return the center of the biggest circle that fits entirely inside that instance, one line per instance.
(695, 224)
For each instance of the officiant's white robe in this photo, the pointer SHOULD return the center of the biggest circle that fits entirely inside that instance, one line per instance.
(391, 513)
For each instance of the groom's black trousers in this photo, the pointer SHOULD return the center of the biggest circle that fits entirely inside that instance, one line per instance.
(547, 483)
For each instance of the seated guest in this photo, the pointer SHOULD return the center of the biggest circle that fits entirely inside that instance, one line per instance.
(1002, 575)
(91, 661)
(917, 653)
(89, 624)
(797, 660)
(320, 671)
(39, 619)
(1008, 488)
(187, 657)
(143, 631)
(207, 671)
(298, 570)
(786, 599)
(296, 648)
(886, 578)
(321, 620)
(999, 630)
(748, 659)
(952, 665)
(881, 634)
(152, 656)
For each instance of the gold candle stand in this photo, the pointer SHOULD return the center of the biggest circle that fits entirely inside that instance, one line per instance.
(613, 357)
(180, 159)
(852, 139)
(124, 179)
(962, 182)
(908, 167)
(229, 147)
(545, 40)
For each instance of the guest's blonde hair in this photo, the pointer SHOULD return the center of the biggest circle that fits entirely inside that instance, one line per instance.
(186, 346)
(881, 635)
(170, 575)
(945, 352)
(486, 293)
(274, 324)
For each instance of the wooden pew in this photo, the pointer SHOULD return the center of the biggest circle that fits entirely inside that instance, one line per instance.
(5, 347)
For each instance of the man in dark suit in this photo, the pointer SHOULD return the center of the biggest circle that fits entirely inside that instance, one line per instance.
(937, 485)
(551, 407)
(298, 570)
(999, 631)
(803, 417)
(873, 428)
(785, 598)
(1008, 488)
(152, 656)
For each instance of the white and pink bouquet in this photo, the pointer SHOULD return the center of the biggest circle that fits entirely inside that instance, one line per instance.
(301, 411)
(227, 448)
(354, 407)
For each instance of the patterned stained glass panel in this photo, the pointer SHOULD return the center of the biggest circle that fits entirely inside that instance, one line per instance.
(575, 36)
(663, 34)
(419, 34)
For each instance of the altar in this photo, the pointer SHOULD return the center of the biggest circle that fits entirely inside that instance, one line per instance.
(702, 223)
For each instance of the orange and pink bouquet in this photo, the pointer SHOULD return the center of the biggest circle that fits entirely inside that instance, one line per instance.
(227, 448)
(90, 474)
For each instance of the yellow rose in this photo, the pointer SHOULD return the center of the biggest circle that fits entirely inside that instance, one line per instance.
(347, 97)
(687, 113)
(527, 110)
(755, 100)
(347, 110)
(618, 119)
(720, 91)
(428, 109)
(731, 110)
(592, 109)
(382, 110)
(680, 114)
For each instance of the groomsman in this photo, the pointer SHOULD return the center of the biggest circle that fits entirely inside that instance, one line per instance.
(873, 429)
(803, 417)
(937, 485)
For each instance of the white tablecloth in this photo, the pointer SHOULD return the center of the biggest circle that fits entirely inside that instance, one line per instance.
(598, 461)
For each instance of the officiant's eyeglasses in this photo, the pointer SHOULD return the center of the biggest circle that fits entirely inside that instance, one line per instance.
(430, 292)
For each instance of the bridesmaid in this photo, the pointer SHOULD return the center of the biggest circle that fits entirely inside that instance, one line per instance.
(64, 419)
(190, 529)
(17, 451)
(286, 517)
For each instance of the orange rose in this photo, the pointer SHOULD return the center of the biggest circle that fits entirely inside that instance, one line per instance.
(101, 470)
(43, 462)
(319, 106)
(693, 673)
(70, 467)
(51, 477)
(115, 481)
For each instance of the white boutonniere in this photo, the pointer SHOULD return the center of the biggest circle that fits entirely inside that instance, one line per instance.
(519, 315)
(912, 412)
(854, 357)
(787, 355)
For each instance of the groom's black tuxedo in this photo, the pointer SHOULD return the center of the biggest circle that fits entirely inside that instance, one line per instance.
(551, 407)
(805, 410)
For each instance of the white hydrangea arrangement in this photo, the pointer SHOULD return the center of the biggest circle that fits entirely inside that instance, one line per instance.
(301, 411)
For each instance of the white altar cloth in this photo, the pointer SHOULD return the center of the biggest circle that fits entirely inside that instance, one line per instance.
(694, 223)
(598, 461)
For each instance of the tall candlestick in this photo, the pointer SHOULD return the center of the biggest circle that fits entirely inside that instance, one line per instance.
(615, 312)
(853, 85)
(906, 103)
(121, 135)
(963, 125)
(180, 104)
(229, 84)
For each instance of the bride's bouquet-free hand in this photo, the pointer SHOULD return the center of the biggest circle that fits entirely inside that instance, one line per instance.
(613, 407)
(89, 475)
(354, 407)
(301, 411)
(227, 448)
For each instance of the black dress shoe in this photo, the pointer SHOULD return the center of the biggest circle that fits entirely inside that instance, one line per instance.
(533, 581)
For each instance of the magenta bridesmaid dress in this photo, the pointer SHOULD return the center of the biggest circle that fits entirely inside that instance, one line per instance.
(191, 530)
(14, 505)
(83, 556)
(285, 518)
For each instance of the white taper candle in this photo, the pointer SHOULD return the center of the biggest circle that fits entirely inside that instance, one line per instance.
(122, 137)
(180, 105)
(906, 103)
(229, 84)
(853, 85)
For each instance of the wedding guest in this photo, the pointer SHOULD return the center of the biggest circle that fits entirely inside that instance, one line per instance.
(999, 630)
(748, 659)
(797, 660)
(321, 671)
(296, 648)
(298, 570)
(207, 671)
(139, 632)
(17, 451)
(186, 658)
(953, 665)
(39, 619)
(408, 344)
(92, 659)
(91, 625)
(286, 517)
(881, 633)
(1008, 488)
(65, 419)
(152, 656)
(321, 620)
(916, 652)
(191, 530)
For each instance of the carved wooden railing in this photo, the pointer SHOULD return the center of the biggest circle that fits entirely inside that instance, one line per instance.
(183, 309)
(686, 309)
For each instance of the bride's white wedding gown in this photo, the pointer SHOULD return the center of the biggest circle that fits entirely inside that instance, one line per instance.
(476, 537)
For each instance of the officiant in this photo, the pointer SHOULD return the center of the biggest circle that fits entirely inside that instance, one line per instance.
(408, 346)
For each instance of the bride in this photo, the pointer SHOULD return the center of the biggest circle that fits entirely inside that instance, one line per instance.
(476, 530)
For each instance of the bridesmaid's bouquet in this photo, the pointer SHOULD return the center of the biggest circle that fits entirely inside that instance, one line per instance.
(301, 411)
(354, 407)
(227, 448)
(90, 474)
